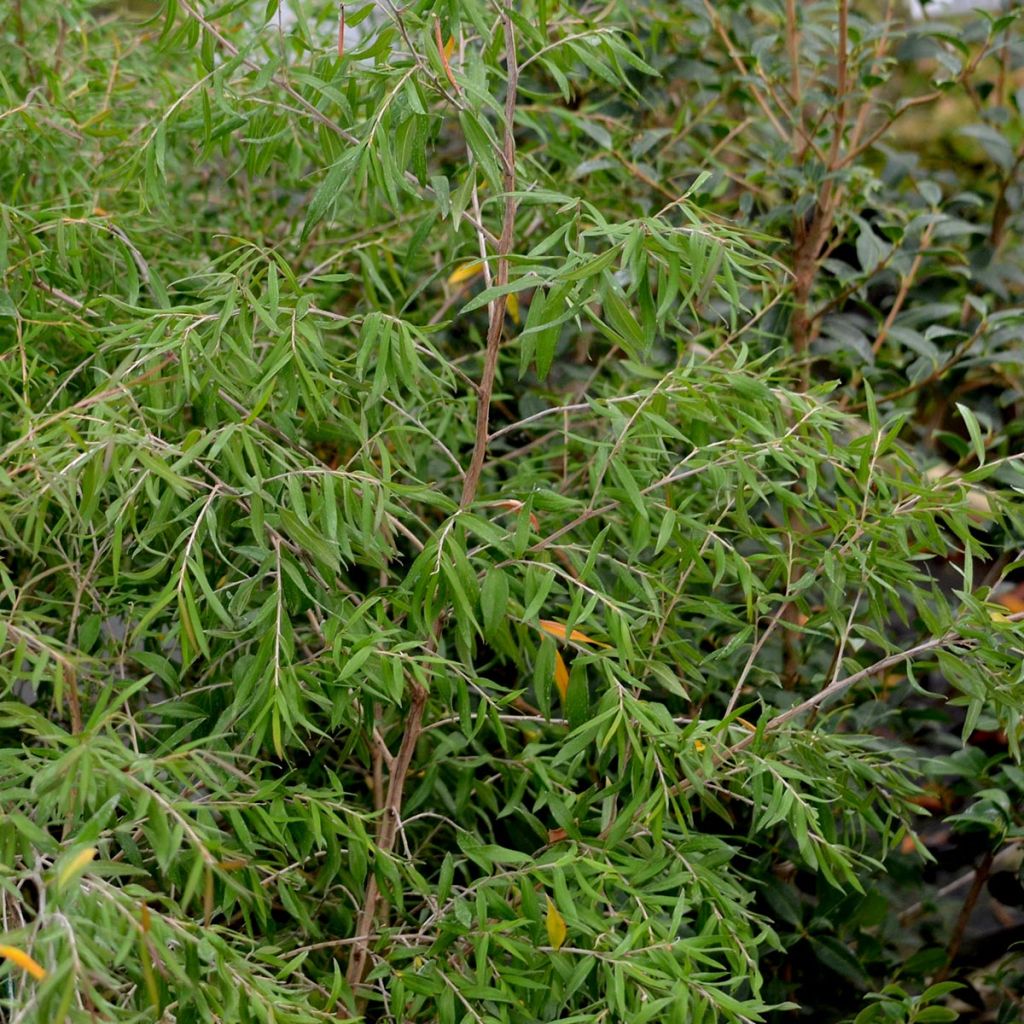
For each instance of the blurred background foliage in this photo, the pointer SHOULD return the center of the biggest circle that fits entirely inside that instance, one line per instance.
(702, 702)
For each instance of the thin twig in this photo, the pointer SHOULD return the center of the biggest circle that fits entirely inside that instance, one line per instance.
(906, 283)
(754, 651)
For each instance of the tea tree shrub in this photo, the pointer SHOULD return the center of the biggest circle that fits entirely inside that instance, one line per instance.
(504, 508)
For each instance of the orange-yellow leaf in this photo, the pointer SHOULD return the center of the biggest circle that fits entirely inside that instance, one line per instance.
(561, 677)
(76, 864)
(555, 924)
(465, 273)
(557, 629)
(24, 961)
(512, 305)
(445, 52)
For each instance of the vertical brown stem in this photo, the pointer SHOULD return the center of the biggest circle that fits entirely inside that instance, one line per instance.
(75, 705)
(1001, 208)
(389, 827)
(399, 768)
(471, 481)
(906, 282)
(980, 878)
(809, 238)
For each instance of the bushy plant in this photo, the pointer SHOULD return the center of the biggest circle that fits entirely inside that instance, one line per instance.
(498, 505)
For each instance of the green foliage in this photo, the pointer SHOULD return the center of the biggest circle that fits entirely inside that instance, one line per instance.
(462, 569)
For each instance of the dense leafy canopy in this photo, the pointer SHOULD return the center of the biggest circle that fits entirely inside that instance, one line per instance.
(500, 506)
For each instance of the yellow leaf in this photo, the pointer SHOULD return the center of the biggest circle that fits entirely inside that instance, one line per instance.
(561, 677)
(27, 964)
(512, 305)
(465, 273)
(449, 48)
(76, 864)
(558, 630)
(555, 924)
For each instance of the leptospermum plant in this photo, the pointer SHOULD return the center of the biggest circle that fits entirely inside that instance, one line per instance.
(439, 583)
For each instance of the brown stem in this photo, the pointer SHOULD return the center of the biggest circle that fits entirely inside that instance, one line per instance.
(809, 239)
(389, 826)
(486, 389)
(74, 704)
(1001, 208)
(980, 877)
(805, 265)
(379, 754)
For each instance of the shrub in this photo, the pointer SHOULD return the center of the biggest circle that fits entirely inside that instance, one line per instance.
(494, 524)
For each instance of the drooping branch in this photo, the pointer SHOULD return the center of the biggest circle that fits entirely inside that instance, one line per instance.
(838, 686)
